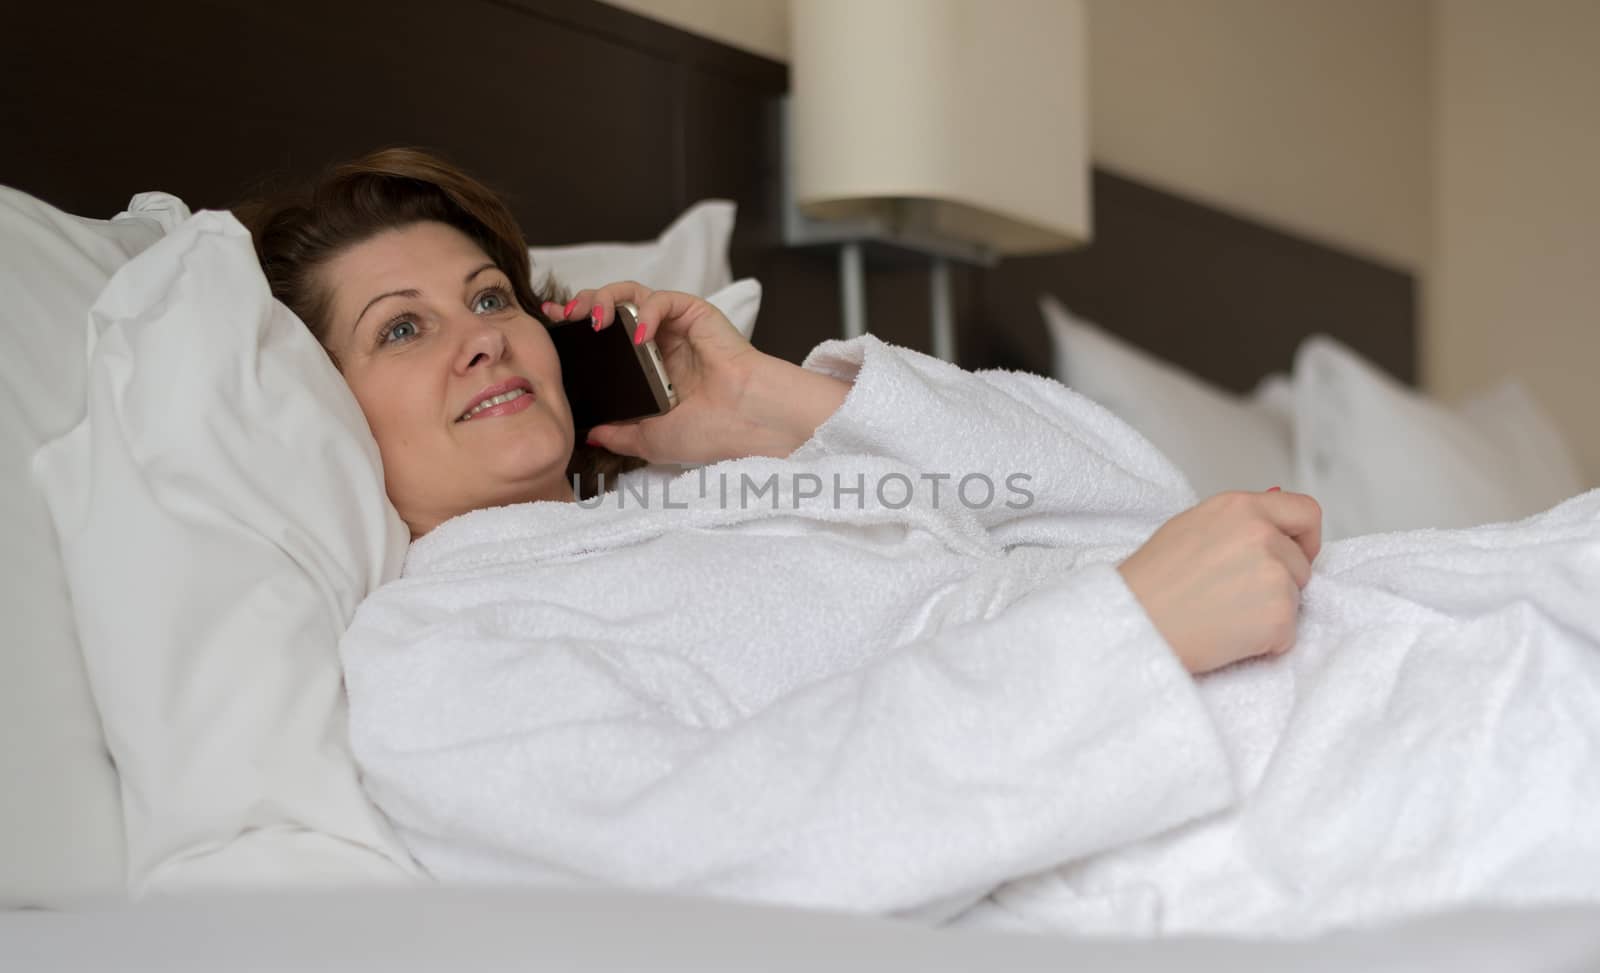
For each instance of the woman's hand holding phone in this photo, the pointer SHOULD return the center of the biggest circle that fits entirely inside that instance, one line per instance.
(709, 361)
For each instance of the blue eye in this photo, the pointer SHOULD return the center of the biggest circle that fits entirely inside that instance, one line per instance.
(496, 295)
(398, 332)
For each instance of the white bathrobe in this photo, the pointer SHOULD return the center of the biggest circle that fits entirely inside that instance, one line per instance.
(947, 703)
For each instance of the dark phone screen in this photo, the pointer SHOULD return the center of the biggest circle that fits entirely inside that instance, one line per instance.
(602, 375)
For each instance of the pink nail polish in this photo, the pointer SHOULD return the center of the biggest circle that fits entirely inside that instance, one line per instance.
(596, 315)
(567, 312)
(638, 334)
(1274, 489)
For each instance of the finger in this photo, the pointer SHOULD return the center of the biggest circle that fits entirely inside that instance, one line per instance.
(660, 309)
(608, 297)
(1298, 516)
(1290, 555)
(1287, 640)
(624, 440)
(1293, 595)
(578, 307)
(601, 311)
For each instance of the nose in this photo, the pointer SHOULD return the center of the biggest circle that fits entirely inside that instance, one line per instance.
(482, 343)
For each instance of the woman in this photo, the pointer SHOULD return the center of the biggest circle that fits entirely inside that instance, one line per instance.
(347, 260)
(845, 700)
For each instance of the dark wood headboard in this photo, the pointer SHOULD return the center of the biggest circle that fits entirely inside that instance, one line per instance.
(1227, 298)
(600, 124)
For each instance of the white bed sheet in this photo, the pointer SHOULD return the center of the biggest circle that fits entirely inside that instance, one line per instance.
(395, 931)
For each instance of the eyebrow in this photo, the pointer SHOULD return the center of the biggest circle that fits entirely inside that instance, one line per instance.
(412, 292)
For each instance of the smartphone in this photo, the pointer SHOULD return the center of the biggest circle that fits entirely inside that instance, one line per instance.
(606, 376)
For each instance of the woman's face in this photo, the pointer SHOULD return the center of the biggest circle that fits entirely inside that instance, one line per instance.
(426, 328)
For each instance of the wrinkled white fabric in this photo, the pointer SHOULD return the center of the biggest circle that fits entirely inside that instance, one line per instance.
(836, 700)
(1433, 739)
(220, 513)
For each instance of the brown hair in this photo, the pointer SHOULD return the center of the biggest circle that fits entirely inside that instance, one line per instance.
(296, 234)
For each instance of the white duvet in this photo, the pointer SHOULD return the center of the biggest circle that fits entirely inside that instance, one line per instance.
(951, 707)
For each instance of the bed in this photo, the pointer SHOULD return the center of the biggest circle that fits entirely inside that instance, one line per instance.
(216, 101)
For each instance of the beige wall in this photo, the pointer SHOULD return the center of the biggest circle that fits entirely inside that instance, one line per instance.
(1312, 115)
(1517, 265)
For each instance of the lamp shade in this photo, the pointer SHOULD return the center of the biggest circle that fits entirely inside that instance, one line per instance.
(963, 119)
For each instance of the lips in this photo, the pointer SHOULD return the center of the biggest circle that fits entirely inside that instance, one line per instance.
(489, 392)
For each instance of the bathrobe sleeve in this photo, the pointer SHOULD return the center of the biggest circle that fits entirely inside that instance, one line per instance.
(1061, 467)
(1060, 727)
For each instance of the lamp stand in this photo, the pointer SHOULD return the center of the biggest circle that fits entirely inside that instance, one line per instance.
(942, 302)
(850, 235)
(853, 300)
(853, 289)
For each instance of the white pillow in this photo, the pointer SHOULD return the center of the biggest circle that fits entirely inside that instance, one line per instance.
(691, 255)
(60, 819)
(221, 513)
(1509, 416)
(739, 302)
(61, 828)
(1220, 441)
(1381, 457)
(1274, 396)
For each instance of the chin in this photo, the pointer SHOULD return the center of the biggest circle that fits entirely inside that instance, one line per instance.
(536, 463)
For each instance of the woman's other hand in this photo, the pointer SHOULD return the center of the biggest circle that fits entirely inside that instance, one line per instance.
(1221, 581)
(732, 399)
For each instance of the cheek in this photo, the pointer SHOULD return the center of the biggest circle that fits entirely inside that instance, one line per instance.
(539, 351)
(531, 343)
(396, 407)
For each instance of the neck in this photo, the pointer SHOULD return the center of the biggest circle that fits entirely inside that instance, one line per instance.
(557, 489)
